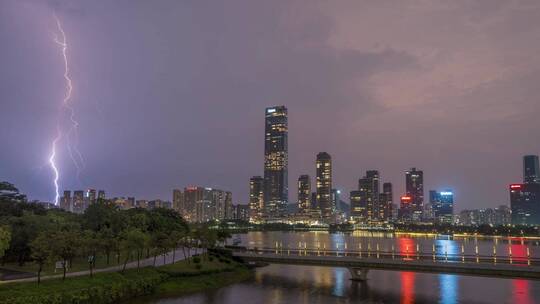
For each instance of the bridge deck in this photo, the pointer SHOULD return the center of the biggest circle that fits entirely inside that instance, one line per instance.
(463, 266)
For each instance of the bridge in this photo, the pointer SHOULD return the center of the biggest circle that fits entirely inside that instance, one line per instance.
(360, 262)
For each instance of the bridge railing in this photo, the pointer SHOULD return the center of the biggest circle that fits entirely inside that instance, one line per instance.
(401, 255)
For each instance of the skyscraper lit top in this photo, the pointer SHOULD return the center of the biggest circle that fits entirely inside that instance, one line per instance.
(531, 171)
(275, 161)
(414, 185)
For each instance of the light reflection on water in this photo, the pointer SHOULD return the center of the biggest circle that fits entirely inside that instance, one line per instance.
(309, 284)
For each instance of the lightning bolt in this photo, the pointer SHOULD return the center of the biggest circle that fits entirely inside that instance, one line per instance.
(74, 152)
(52, 162)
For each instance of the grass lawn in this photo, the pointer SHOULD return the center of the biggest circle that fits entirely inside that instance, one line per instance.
(171, 280)
(79, 264)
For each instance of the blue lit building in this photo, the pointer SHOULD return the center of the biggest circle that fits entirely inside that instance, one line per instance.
(442, 204)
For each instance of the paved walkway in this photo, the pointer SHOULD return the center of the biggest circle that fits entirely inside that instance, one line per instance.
(143, 263)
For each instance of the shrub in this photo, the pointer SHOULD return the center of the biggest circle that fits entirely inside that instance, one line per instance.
(198, 266)
(196, 260)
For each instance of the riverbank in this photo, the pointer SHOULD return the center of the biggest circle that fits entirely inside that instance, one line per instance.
(171, 280)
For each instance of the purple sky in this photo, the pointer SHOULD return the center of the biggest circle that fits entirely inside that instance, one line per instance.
(172, 93)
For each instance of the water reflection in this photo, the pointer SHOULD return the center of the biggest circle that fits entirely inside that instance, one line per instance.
(309, 284)
(407, 287)
(449, 288)
(521, 292)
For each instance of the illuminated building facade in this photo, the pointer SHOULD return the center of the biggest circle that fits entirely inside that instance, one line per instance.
(324, 183)
(256, 198)
(199, 204)
(304, 193)
(358, 206)
(414, 187)
(101, 195)
(386, 202)
(531, 171)
(406, 209)
(525, 203)
(77, 203)
(276, 162)
(442, 206)
(178, 200)
(525, 198)
(90, 197)
(65, 201)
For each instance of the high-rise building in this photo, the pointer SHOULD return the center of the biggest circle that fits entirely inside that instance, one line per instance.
(78, 205)
(192, 194)
(101, 195)
(442, 206)
(335, 200)
(65, 201)
(369, 189)
(256, 198)
(414, 183)
(531, 171)
(178, 200)
(525, 198)
(525, 203)
(241, 212)
(304, 193)
(358, 206)
(90, 197)
(276, 193)
(324, 183)
(386, 202)
(406, 209)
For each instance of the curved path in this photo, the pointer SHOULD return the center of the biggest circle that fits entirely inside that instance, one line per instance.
(143, 263)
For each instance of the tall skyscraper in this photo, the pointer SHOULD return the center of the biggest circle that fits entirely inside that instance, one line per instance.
(276, 191)
(304, 193)
(525, 203)
(78, 201)
(90, 197)
(414, 183)
(65, 202)
(324, 183)
(101, 195)
(178, 200)
(525, 198)
(531, 171)
(442, 205)
(386, 202)
(369, 189)
(358, 206)
(256, 198)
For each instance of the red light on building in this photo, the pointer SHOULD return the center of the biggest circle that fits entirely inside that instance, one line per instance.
(191, 188)
(516, 186)
(406, 198)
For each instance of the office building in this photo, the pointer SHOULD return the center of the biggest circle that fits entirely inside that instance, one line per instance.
(324, 183)
(386, 202)
(531, 171)
(304, 193)
(65, 201)
(525, 198)
(276, 162)
(442, 206)
(525, 203)
(414, 187)
(256, 198)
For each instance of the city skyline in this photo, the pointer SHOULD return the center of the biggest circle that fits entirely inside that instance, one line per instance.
(371, 100)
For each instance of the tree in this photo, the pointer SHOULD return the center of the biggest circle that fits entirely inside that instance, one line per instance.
(91, 245)
(64, 246)
(133, 240)
(41, 251)
(5, 238)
